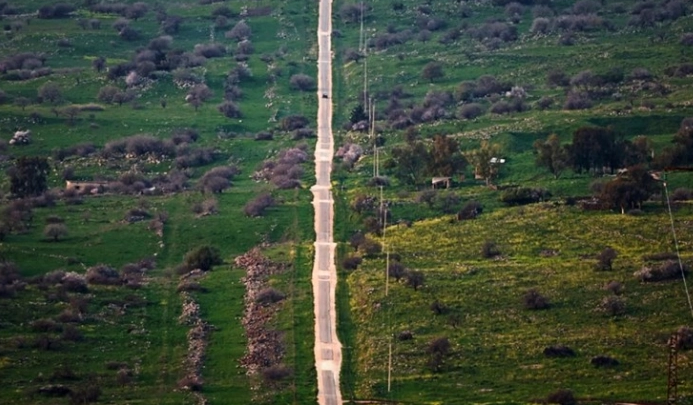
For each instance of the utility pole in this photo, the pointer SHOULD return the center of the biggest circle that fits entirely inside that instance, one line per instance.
(672, 378)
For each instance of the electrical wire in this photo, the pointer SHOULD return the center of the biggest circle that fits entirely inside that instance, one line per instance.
(676, 245)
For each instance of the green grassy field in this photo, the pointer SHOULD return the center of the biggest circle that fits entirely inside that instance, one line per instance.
(496, 344)
(145, 335)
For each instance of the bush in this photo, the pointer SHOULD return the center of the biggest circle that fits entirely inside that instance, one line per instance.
(577, 101)
(46, 325)
(405, 335)
(615, 287)
(269, 296)
(532, 299)
(351, 263)
(471, 210)
(292, 122)
(302, 82)
(276, 373)
(562, 397)
(470, 111)
(85, 395)
(257, 206)
(415, 279)
(612, 305)
(682, 194)
(396, 270)
(55, 231)
(489, 250)
(370, 247)
(524, 195)
(72, 334)
(606, 258)
(102, 274)
(239, 32)
(684, 338)
(604, 361)
(230, 109)
(203, 258)
(558, 351)
(669, 270)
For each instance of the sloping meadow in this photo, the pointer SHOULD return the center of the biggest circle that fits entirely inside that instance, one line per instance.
(497, 339)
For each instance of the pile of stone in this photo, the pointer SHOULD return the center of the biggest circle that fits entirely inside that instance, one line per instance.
(265, 346)
(21, 138)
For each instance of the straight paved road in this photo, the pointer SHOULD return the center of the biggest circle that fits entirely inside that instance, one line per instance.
(328, 350)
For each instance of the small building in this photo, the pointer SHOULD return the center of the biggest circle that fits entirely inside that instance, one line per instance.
(439, 182)
(91, 187)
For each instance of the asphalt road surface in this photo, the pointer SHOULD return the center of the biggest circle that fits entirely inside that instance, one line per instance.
(328, 350)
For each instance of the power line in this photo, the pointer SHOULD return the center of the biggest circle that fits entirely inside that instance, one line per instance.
(676, 245)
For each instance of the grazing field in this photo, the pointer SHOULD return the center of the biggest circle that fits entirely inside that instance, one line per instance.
(179, 126)
(495, 290)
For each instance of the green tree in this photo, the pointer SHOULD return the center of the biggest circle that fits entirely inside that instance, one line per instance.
(485, 161)
(432, 71)
(551, 154)
(629, 190)
(408, 162)
(55, 231)
(445, 157)
(203, 258)
(50, 92)
(28, 176)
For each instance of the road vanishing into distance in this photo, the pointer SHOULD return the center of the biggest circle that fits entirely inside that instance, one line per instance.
(328, 350)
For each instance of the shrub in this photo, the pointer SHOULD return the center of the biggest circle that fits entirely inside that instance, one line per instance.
(471, 210)
(559, 351)
(405, 335)
(292, 122)
(562, 397)
(540, 25)
(85, 395)
(46, 325)
(684, 338)
(612, 305)
(577, 101)
(370, 247)
(203, 258)
(415, 279)
(210, 50)
(615, 287)
(682, 194)
(190, 286)
(73, 282)
(489, 250)
(669, 270)
(276, 373)
(439, 308)
(470, 111)
(532, 299)
(396, 270)
(351, 263)
(230, 109)
(604, 361)
(302, 82)
(606, 258)
(72, 334)
(102, 274)
(524, 195)
(269, 296)
(55, 231)
(257, 206)
(239, 32)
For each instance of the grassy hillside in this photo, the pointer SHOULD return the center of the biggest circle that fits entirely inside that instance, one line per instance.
(127, 344)
(509, 74)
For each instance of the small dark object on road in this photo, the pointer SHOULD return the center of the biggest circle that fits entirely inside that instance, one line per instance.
(324, 96)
